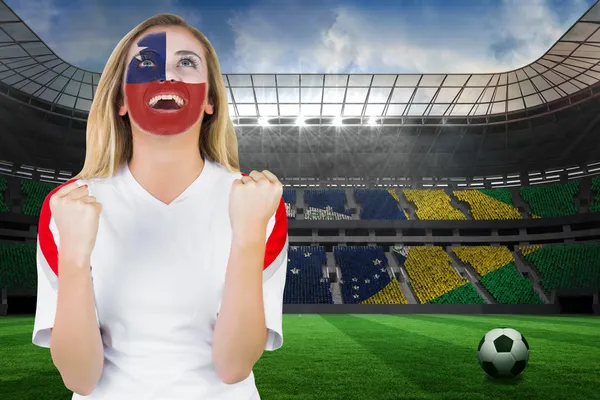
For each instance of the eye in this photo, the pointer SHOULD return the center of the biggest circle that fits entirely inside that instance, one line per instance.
(188, 61)
(147, 63)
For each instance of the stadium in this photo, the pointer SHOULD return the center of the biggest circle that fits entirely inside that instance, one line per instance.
(424, 210)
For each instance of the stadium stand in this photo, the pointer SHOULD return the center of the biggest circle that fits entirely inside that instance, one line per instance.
(433, 204)
(595, 203)
(17, 266)
(365, 276)
(35, 194)
(325, 204)
(432, 276)
(3, 187)
(567, 266)
(525, 250)
(305, 283)
(498, 274)
(328, 214)
(489, 204)
(551, 200)
(289, 197)
(290, 210)
(395, 196)
(378, 204)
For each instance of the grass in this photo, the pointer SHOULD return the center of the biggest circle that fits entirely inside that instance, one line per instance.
(364, 357)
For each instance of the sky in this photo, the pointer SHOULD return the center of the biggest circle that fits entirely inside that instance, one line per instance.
(321, 36)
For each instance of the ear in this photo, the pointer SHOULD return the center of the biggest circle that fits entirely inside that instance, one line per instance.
(209, 108)
(122, 108)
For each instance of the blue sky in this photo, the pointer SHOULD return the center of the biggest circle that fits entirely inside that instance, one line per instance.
(377, 36)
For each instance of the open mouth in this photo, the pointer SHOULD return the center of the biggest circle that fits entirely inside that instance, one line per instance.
(166, 102)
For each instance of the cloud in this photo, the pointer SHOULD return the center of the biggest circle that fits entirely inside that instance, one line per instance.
(350, 39)
(326, 36)
(86, 34)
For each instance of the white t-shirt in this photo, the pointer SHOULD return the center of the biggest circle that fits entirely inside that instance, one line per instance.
(158, 273)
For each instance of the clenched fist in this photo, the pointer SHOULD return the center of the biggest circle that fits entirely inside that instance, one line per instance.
(253, 201)
(76, 215)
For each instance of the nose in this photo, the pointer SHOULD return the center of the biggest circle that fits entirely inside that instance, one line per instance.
(163, 81)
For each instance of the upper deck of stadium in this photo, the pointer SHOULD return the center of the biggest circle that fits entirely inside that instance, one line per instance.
(538, 117)
(570, 65)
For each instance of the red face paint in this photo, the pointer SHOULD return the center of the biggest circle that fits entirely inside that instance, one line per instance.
(165, 121)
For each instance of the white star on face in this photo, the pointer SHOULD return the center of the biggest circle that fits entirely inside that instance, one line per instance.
(322, 280)
(376, 276)
(307, 254)
(354, 279)
(382, 269)
(367, 280)
(136, 52)
(356, 296)
(355, 287)
(377, 261)
(295, 271)
(341, 281)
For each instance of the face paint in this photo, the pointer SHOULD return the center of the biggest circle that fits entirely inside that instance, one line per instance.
(158, 105)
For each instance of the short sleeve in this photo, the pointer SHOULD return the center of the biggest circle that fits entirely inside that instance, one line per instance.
(274, 275)
(47, 274)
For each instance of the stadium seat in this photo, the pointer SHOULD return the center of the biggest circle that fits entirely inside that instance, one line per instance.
(498, 274)
(433, 204)
(567, 266)
(3, 187)
(289, 196)
(305, 283)
(17, 266)
(595, 203)
(290, 211)
(395, 196)
(328, 204)
(312, 213)
(35, 194)
(378, 204)
(365, 276)
(489, 204)
(432, 276)
(551, 200)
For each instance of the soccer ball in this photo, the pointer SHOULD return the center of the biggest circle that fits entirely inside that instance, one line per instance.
(503, 352)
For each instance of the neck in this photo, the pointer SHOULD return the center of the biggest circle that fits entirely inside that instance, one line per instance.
(165, 165)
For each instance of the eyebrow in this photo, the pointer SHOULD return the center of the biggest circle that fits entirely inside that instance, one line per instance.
(145, 51)
(186, 53)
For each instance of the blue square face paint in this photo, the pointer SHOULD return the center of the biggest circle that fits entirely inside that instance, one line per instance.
(150, 64)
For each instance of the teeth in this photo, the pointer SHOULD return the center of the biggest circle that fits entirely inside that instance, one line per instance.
(174, 97)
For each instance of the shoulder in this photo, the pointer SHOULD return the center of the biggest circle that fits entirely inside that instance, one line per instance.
(221, 173)
(45, 212)
(94, 184)
(80, 182)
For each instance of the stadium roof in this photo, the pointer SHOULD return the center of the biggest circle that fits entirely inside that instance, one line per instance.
(570, 65)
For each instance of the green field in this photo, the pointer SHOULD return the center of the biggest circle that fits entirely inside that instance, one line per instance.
(364, 357)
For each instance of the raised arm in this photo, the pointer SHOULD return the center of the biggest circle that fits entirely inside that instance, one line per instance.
(70, 315)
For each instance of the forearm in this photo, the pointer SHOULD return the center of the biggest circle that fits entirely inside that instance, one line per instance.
(240, 333)
(76, 344)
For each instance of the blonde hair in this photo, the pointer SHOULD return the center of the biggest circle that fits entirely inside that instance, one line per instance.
(108, 135)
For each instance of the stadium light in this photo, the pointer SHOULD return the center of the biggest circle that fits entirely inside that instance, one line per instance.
(263, 121)
(337, 121)
(373, 121)
(300, 121)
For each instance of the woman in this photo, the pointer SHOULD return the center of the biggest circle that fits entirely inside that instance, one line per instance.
(172, 264)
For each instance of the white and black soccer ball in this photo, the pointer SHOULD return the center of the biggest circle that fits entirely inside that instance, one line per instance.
(503, 352)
